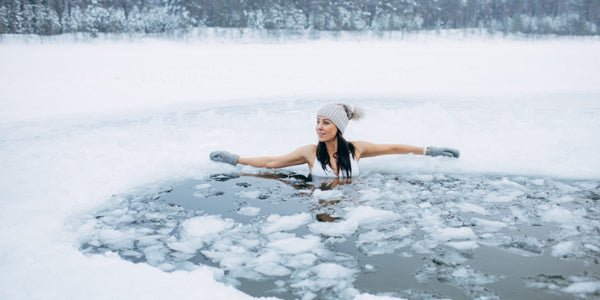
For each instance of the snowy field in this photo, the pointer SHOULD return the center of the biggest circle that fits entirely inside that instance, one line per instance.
(82, 124)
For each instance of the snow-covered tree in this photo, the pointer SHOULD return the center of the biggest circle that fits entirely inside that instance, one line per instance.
(4, 24)
(95, 16)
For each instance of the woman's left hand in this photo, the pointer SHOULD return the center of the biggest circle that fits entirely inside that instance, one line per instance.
(443, 151)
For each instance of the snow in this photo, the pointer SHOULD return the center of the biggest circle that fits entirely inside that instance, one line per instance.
(81, 122)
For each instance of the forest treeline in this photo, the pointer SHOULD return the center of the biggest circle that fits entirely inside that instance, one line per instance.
(50, 17)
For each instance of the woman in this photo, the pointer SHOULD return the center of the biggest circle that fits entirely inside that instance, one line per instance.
(333, 156)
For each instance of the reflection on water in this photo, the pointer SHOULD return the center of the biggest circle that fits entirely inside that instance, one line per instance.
(418, 236)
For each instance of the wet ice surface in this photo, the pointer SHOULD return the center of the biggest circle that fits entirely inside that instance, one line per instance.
(415, 236)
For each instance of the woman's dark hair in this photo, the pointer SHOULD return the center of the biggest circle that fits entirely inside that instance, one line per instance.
(342, 155)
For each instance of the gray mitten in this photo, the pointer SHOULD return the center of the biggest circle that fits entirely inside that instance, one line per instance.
(443, 151)
(225, 157)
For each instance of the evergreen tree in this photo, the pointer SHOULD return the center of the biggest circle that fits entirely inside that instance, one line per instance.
(564, 17)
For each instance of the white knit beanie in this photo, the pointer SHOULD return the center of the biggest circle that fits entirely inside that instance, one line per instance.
(340, 114)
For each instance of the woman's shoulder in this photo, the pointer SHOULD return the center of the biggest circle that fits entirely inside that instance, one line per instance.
(360, 147)
(311, 148)
(307, 150)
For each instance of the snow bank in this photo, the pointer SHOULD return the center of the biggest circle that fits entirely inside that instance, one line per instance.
(82, 122)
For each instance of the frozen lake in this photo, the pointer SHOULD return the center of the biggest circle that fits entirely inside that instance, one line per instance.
(93, 134)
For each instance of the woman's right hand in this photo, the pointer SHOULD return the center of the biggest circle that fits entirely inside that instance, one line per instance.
(224, 157)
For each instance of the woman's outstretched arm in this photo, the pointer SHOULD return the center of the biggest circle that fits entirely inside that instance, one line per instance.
(297, 157)
(367, 149)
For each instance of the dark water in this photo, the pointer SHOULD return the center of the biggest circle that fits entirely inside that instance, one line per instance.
(534, 236)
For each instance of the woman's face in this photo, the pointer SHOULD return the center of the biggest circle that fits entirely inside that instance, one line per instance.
(326, 130)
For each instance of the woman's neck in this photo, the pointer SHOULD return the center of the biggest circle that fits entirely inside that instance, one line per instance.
(332, 147)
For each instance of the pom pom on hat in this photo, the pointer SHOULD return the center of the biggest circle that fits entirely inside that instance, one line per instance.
(357, 113)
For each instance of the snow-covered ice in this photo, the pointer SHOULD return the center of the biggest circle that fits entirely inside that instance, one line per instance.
(93, 135)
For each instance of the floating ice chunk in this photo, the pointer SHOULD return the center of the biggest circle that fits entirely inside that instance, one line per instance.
(565, 187)
(564, 199)
(156, 216)
(367, 214)
(370, 194)
(369, 267)
(149, 240)
(472, 276)
(166, 267)
(449, 258)
(557, 214)
(295, 245)
(249, 194)
(125, 219)
(470, 207)
(272, 269)
(592, 247)
(465, 245)
(375, 242)
(332, 271)
(425, 205)
(268, 257)
(249, 243)
(424, 246)
(487, 225)
(131, 253)
(519, 214)
(356, 217)
(421, 177)
(563, 249)
(371, 236)
(249, 211)
(233, 261)
(155, 254)
(526, 246)
(186, 246)
(538, 182)
(430, 221)
(302, 260)
(327, 195)
(205, 225)
(461, 272)
(117, 239)
(327, 276)
(203, 186)
(374, 297)
(460, 233)
(583, 287)
(506, 183)
(502, 197)
(197, 230)
(277, 223)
